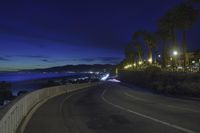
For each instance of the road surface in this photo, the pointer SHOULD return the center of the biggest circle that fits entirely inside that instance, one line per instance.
(113, 108)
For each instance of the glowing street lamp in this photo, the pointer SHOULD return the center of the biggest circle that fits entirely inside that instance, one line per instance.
(128, 66)
(175, 53)
(140, 62)
(150, 60)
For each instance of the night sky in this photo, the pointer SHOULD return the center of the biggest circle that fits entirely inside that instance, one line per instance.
(46, 33)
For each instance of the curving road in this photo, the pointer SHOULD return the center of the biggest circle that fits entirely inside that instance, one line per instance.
(113, 108)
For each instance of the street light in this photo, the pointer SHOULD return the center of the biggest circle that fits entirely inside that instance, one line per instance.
(150, 60)
(140, 62)
(175, 53)
(174, 59)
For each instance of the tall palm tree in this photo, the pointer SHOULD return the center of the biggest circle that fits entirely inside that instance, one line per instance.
(138, 48)
(129, 54)
(137, 35)
(150, 41)
(164, 36)
(167, 23)
(186, 16)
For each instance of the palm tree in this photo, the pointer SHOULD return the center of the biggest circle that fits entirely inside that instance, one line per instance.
(137, 34)
(164, 36)
(138, 48)
(129, 54)
(150, 41)
(138, 45)
(186, 16)
(167, 24)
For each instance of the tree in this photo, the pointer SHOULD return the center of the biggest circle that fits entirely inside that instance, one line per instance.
(138, 48)
(150, 41)
(5, 93)
(186, 16)
(164, 36)
(129, 54)
(167, 25)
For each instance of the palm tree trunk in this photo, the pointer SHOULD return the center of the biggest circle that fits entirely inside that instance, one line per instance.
(164, 55)
(150, 56)
(184, 48)
(174, 40)
(174, 47)
(139, 57)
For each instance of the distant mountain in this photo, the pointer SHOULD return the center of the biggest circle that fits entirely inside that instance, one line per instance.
(77, 68)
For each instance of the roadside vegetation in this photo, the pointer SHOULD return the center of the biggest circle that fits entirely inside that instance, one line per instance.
(5, 92)
(172, 83)
(166, 47)
(160, 60)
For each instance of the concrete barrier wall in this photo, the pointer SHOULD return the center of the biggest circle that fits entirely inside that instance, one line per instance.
(12, 117)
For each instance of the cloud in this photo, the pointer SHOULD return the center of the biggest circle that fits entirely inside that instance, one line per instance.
(87, 60)
(28, 56)
(4, 59)
(33, 56)
(110, 60)
(45, 60)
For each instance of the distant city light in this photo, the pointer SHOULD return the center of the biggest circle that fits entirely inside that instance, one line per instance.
(180, 67)
(168, 65)
(159, 55)
(91, 72)
(105, 77)
(134, 64)
(114, 80)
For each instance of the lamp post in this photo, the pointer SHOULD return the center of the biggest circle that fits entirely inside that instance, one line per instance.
(175, 54)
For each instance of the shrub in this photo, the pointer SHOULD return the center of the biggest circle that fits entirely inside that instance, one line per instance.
(153, 69)
(176, 83)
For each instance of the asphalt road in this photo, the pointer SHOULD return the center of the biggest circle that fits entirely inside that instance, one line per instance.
(111, 108)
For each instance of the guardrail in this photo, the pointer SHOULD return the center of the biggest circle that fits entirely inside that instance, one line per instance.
(14, 115)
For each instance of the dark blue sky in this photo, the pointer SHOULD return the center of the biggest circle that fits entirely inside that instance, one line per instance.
(45, 33)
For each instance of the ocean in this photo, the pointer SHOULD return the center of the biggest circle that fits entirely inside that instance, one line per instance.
(30, 81)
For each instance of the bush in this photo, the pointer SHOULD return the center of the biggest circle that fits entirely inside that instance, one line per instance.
(5, 94)
(5, 85)
(174, 83)
(152, 69)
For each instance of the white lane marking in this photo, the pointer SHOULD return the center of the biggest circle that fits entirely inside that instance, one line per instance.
(146, 116)
(171, 106)
(137, 98)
